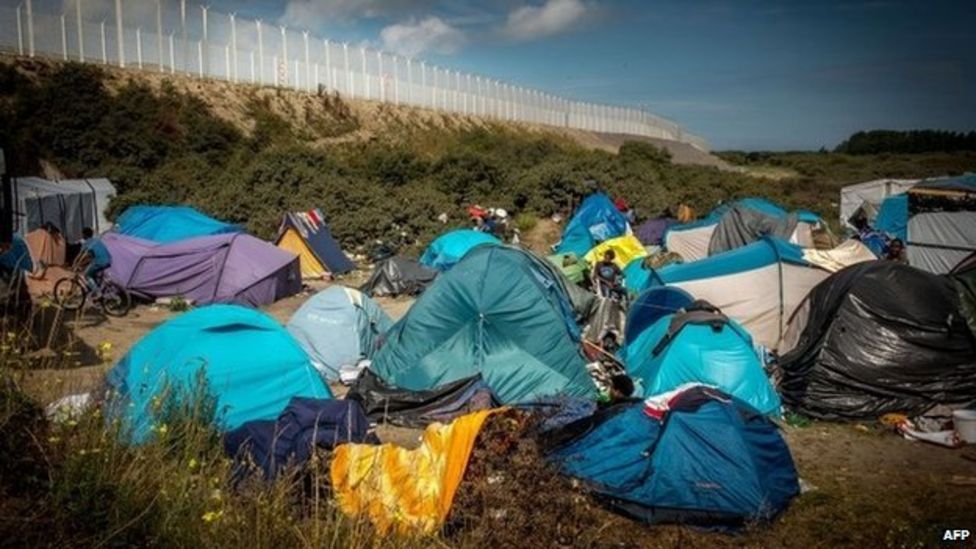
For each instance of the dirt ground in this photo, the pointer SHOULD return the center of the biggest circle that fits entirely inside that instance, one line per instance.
(865, 485)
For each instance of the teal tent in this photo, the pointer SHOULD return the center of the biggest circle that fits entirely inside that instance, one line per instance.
(501, 312)
(337, 327)
(251, 365)
(449, 248)
(698, 346)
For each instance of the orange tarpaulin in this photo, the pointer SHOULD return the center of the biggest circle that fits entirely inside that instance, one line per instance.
(401, 490)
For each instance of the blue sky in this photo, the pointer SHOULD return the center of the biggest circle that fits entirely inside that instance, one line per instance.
(743, 74)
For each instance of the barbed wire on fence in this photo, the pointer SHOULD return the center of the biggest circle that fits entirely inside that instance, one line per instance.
(171, 36)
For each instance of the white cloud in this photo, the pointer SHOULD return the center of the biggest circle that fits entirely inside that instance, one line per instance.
(413, 37)
(553, 17)
(315, 13)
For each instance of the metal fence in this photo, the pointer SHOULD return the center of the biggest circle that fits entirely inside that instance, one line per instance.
(172, 36)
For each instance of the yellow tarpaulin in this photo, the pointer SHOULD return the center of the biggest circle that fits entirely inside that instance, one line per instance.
(627, 248)
(401, 490)
(294, 243)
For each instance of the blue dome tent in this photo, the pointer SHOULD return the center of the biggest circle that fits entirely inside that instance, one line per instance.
(698, 344)
(449, 248)
(693, 457)
(337, 327)
(595, 220)
(251, 365)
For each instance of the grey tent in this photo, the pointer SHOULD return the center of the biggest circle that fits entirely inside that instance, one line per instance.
(743, 225)
(70, 205)
(398, 275)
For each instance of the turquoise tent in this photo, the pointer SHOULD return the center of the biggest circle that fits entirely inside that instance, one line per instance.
(252, 367)
(698, 346)
(337, 327)
(449, 248)
(596, 220)
(501, 312)
(165, 224)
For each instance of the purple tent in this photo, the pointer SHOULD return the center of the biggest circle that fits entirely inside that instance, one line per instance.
(652, 231)
(223, 268)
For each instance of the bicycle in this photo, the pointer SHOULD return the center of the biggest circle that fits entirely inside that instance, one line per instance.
(72, 292)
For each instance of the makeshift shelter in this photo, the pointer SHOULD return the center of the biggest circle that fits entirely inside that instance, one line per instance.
(758, 285)
(70, 205)
(306, 235)
(733, 225)
(697, 344)
(224, 268)
(305, 425)
(449, 248)
(596, 219)
(936, 219)
(385, 403)
(250, 365)
(338, 327)
(868, 196)
(876, 338)
(168, 224)
(500, 312)
(693, 456)
(398, 275)
(625, 248)
(406, 491)
(572, 267)
(651, 232)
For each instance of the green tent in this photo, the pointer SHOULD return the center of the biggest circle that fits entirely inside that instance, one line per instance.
(571, 266)
(500, 312)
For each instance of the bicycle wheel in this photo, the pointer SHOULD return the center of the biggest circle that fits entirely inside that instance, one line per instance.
(115, 300)
(70, 294)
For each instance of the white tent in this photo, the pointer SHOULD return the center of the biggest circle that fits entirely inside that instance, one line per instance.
(872, 193)
(70, 205)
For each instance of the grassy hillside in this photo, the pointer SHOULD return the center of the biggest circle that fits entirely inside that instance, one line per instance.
(247, 154)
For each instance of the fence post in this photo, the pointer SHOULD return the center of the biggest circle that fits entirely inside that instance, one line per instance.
(396, 81)
(328, 63)
(64, 39)
(423, 83)
(308, 63)
(380, 81)
(186, 51)
(284, 54)
(30, 28)
(260, 52)
(159, 35)
(20, 33)
(104, 47)
(172, 55)
(120, 32)
(362, 52)
(233, 43)
(251, 52)
(274, 61)
(205, 45)
(139, 47)
(200, 58)
(410, 81)
(81, 32)
(345, 65)
(227, 73)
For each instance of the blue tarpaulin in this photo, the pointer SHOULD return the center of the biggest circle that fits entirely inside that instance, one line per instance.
(596, 220)
(164, 224)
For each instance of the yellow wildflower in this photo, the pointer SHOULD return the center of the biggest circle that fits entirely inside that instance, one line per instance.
(193, 463)
(211, 516)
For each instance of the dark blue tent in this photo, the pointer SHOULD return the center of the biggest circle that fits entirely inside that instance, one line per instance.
(596, 220)
(706, 461)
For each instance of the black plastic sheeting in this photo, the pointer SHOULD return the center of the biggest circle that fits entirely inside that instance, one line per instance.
(385, 403)
(397, 276)
(741, 225)
(881, 337)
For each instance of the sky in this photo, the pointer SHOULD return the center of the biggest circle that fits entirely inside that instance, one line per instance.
(742, 74)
